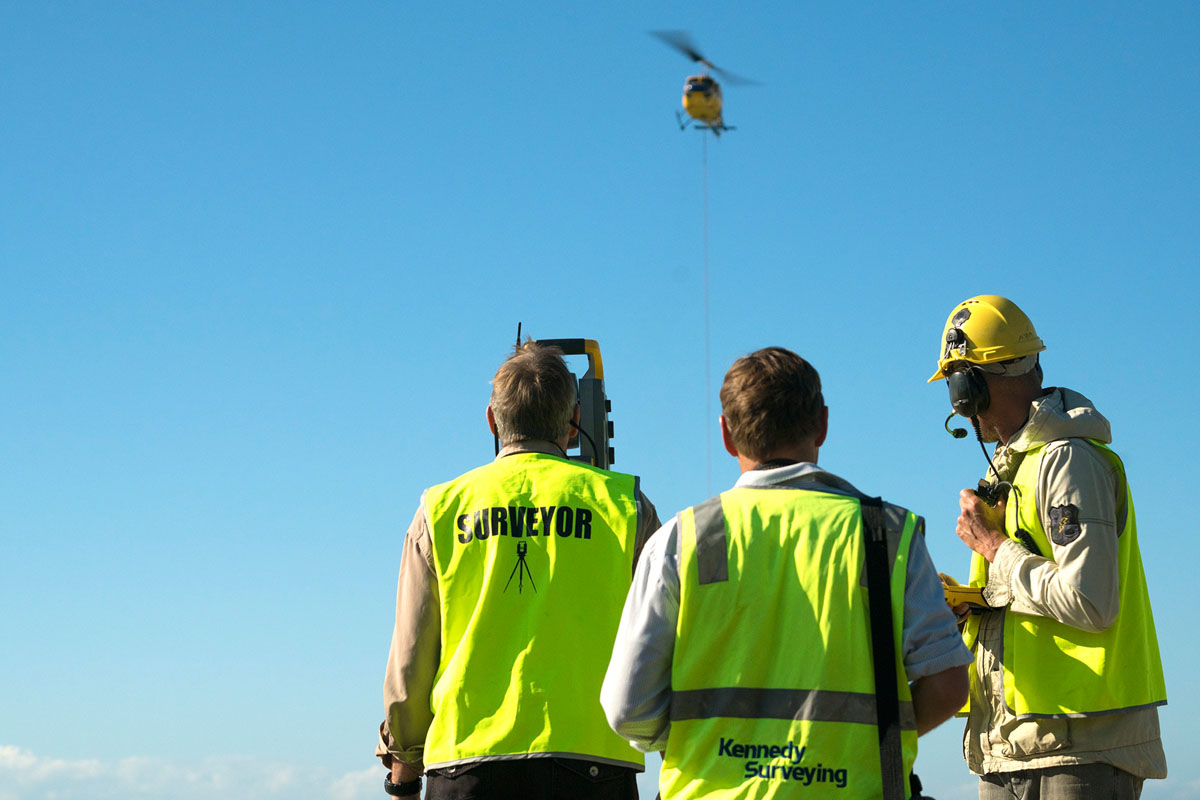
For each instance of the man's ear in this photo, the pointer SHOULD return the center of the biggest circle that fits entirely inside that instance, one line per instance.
(823, 428)
(491, 420)
(727, 437)
(576, 415)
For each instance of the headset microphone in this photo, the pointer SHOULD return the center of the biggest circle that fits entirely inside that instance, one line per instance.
(957, 433)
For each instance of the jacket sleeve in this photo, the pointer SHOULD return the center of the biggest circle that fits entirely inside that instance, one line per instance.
(416, 649)
(1081, 503)
(647, 524)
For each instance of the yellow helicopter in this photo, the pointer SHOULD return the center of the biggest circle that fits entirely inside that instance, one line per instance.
(701, 93)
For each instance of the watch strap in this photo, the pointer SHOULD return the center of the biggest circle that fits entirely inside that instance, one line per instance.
(402, 789)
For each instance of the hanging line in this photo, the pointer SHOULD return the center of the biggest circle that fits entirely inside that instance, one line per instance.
(708, 416)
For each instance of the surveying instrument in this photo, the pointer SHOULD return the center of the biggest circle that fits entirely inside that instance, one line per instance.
(595, 430)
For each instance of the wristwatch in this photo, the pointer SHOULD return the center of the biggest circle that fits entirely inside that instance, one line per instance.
(402, 789)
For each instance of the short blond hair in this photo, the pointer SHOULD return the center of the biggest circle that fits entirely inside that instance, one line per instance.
(533, 395)
(771, 399)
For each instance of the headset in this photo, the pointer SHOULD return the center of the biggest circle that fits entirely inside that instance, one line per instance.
(969, 397)
(968, 391)
(968, 387)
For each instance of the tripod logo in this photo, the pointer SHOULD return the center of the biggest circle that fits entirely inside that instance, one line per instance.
(520, 570)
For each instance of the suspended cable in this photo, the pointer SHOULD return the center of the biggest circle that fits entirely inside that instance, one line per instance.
(708, 415)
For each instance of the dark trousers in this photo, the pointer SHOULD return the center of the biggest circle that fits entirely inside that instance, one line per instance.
(541, 778)
(1068, 782)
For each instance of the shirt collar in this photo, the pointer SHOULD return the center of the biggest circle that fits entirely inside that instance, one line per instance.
(802, 475)
(531, 446)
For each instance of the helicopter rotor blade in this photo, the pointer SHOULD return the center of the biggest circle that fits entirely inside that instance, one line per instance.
(681, 41)
(732, 79)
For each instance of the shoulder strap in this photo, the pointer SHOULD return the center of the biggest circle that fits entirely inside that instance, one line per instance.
(883, 648)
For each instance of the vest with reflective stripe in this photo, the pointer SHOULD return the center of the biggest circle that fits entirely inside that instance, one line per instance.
(1055, 670)
(773, 690)
(534, 557)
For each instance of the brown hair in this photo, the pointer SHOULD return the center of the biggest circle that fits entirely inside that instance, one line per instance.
(533, 394)
(770, 398)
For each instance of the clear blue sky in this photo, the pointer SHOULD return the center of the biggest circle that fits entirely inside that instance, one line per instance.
(258, 262)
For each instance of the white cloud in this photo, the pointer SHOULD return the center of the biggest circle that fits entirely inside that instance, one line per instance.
(25, 775)
(1188, 790)
(353, 785)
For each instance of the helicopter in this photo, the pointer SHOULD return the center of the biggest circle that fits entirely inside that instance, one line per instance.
(701, 93)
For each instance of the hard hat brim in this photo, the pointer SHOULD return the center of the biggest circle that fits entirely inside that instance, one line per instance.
(937, 376)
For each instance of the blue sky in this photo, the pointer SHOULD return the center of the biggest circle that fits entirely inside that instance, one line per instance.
(259, 261)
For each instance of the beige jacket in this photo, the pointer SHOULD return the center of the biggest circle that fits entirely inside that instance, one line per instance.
(416, 638)
(1079, 588)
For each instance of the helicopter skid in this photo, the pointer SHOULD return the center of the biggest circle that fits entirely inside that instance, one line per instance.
(686, 122)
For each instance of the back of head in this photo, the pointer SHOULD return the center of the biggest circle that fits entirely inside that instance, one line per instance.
(771, 399)
(533, 395)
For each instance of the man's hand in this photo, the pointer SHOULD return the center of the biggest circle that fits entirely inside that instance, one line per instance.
(980, 526)
(962, 610)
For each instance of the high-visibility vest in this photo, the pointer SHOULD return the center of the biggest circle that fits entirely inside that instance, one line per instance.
(534, 557)
(773, 687)
(1054, 670)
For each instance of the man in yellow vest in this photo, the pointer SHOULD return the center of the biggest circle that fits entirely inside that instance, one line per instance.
(511, 585)
(1067, 676)
(745, 650)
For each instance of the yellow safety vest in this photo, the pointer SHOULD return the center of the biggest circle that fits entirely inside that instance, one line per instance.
(1055, 670)
(534, 557)
(773, 689)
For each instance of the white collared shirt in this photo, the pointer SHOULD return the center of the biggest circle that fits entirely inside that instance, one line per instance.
(636, 694)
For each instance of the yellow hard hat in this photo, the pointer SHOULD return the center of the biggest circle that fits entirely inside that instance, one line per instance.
(984, 330)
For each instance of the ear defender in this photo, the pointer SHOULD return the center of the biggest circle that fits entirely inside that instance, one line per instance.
(968, 391)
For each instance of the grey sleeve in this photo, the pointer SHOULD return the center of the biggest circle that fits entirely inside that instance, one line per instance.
(636, 694)
(1078, 505)
(931, 640)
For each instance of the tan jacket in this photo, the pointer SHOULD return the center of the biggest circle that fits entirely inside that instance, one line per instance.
(1079, 588)
(416, 638)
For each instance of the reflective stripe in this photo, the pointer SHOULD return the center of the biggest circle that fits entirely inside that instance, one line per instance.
(795, 704)
(895, 517)
(1089, 714)
(712, 543)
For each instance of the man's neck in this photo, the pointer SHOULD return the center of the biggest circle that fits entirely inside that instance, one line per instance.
(791, 455)
(1008, 420)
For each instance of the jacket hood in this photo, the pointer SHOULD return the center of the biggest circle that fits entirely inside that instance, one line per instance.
(1061, 414)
